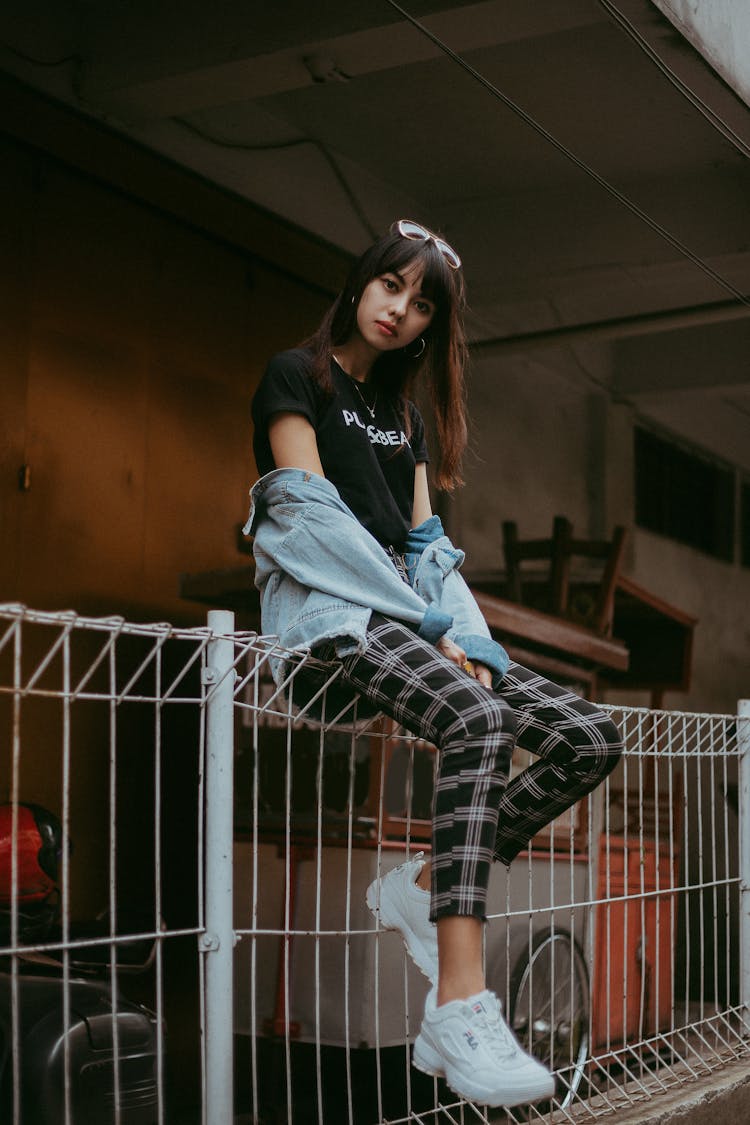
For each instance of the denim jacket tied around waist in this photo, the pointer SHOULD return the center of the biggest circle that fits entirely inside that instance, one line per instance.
(321, 575)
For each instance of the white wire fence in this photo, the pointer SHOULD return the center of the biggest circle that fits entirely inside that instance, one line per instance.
(191, 944)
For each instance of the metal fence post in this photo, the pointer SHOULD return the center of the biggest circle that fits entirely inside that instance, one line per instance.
(218, 940)
(743, 736)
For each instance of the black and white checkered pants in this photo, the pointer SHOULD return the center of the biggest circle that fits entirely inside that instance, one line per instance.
(477, 816)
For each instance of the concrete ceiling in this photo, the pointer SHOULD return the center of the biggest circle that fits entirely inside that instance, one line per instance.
(340, 117)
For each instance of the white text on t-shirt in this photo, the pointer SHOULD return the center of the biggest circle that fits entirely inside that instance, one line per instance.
(376, 436)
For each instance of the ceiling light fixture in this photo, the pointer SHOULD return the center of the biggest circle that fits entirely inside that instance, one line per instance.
(323, 68)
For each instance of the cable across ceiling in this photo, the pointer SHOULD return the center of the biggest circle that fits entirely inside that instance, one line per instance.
(581, 164)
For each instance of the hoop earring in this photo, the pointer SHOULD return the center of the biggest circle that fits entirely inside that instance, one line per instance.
(420, 353)
(354, 300)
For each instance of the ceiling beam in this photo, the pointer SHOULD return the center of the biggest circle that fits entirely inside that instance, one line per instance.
(36, 122)
(617, 328)
(179, 90)
(705, 356)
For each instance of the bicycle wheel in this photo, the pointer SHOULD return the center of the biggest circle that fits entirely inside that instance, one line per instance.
(548, 1008)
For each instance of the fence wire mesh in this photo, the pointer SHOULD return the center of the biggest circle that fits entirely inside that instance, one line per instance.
(614, 941)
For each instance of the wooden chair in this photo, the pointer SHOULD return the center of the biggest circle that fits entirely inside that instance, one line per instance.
(588, 602)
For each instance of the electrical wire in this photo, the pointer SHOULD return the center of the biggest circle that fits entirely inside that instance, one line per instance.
(672, 239)
(328, 156)
(276, 146)
(695, 100)
(618, 17)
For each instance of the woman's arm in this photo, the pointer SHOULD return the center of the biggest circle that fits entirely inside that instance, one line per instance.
(422, 509)
(294, 444)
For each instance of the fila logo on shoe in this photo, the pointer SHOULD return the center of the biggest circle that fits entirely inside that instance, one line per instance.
(471, 1039)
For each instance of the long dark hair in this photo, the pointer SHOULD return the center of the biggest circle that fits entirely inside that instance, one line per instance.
(441, 364)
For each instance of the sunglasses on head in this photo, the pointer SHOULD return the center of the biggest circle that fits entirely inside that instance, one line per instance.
(407, 228)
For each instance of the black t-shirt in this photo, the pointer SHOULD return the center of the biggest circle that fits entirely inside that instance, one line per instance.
(361, 441)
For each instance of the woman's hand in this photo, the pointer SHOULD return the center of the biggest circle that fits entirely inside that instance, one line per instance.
(456, 655)
(452, 651)
(482, 673)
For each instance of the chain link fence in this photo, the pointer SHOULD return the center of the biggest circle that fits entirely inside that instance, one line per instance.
(184, 855)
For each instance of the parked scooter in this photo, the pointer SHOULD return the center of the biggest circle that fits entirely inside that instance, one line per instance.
(107, 1048)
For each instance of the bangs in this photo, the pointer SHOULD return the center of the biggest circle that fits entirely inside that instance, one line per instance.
(403, 254)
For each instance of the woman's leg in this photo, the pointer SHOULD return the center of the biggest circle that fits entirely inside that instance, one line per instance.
(460, 957)
(474, 732)
(463, 1036)
(577, 745)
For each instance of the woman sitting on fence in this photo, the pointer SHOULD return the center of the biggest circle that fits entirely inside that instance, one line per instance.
(353, 565)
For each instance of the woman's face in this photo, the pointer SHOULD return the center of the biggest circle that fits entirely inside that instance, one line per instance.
(392, 311)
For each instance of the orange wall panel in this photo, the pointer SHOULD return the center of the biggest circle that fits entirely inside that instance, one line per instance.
(130, 347)
(633, 975)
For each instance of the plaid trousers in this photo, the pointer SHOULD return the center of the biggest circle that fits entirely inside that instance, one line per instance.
(477, 816)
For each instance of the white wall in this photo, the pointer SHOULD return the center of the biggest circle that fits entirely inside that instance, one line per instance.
(720, 30)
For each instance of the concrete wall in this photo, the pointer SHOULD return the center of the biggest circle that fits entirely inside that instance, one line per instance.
(549, 438)
(529, 457)
(720, 30)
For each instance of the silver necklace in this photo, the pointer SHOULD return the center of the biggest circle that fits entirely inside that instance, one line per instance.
(355, 382)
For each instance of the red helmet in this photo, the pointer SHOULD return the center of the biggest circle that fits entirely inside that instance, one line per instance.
(39, 849)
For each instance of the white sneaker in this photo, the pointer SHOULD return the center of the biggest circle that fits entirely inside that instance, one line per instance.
(468, 1043)
(399, 904)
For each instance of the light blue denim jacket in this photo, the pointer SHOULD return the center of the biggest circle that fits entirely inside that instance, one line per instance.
(321, 574)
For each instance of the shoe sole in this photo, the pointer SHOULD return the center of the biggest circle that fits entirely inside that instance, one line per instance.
(371, 898)
(427, 1060)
